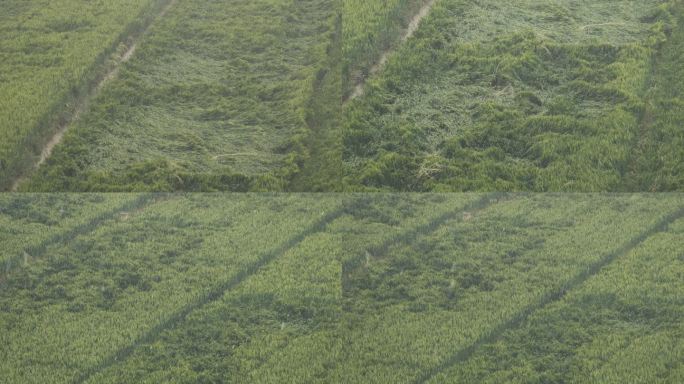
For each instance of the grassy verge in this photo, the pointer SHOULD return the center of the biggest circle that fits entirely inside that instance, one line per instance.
(655, 163)
(321, 168)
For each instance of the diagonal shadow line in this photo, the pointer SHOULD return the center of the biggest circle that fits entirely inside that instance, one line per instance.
(579, 279)
(212, 295)
(38, 250)
(412, 234)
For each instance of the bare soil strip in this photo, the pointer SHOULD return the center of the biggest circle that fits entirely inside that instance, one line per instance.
(408, 32)
(82, 104)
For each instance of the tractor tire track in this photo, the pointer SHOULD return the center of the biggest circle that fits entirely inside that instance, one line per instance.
(633, 175)
(82, 103)
(643, 170)
(211, 296)
(412, 27)
(550, 298)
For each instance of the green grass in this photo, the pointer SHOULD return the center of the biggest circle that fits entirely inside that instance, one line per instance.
(50, 53)
(217, 96)
(550, 100)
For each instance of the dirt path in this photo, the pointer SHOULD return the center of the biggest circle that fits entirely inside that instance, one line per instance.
(83, 102)
(408, 32)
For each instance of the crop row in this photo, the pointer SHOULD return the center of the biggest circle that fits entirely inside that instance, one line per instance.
(270, 288)
(287, 312)
(29, 223)
(240, 335)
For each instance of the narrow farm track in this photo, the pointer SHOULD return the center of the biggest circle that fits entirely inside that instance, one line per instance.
(384, 57)
(37, 251)
(412, 234)
(515, 321)
(632, 178)
(81, 104)
(212, 295)
(644, 165)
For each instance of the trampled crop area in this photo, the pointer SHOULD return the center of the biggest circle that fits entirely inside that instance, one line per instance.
(342, 95)
(345, 288)
(217, 95)
(525, 95)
